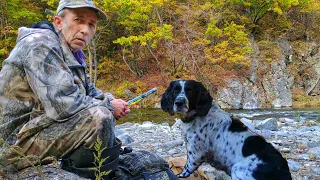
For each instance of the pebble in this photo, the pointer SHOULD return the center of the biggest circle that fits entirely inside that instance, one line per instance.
(285, 150)
(303, 147)
(286, 120)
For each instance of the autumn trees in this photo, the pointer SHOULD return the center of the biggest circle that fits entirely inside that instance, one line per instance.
(153, 41)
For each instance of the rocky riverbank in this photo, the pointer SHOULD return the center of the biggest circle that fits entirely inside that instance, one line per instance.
(299, 142)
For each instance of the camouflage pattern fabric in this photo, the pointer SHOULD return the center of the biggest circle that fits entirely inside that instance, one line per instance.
(61, 138)
(42, 75)
(46, 98)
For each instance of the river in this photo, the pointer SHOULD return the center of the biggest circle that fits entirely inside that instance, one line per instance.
(158, 116)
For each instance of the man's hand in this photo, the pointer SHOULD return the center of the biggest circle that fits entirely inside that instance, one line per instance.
(121, 108)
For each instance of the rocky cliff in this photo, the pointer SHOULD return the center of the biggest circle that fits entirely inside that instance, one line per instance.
(273, 84)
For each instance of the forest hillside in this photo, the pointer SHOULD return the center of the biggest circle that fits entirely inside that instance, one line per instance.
(248, 53)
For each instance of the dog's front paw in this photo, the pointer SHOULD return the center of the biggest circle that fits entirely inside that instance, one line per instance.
(183, 175)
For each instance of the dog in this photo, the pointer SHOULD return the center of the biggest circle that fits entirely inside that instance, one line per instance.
(216, 137)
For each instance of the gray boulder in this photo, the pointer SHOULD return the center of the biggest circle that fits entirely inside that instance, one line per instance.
(268, 124)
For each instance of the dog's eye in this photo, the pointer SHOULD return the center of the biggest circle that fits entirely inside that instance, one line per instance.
(188, 90)
(176, 91)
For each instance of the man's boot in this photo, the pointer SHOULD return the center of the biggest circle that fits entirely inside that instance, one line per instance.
(81, 161)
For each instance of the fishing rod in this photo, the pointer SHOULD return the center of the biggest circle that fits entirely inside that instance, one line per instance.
(142, 96)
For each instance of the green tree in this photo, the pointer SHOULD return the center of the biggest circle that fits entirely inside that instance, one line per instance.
(256, 9)
(143, 29)
(14, 14)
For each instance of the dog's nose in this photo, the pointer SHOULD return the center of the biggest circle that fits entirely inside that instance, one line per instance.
(180, 101)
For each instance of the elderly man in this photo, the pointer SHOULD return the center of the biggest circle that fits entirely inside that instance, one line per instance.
(47, 105)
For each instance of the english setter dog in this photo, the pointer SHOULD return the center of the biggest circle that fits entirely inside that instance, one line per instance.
(216, 137)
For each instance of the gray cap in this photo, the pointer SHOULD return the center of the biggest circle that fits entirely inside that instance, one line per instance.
(81, 4)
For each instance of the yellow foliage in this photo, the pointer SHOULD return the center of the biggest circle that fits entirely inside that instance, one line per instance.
(213, 30)
(155, 34)
(231, 45)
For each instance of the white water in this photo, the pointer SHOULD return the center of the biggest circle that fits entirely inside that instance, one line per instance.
(295, 114)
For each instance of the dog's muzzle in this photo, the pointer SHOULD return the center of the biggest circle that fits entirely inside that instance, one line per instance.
(181, 104)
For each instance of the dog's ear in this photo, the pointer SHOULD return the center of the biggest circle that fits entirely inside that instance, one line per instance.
(167, 99)
(204, 100)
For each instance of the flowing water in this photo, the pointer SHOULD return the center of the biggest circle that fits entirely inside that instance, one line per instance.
(295, 114)
(158, 116)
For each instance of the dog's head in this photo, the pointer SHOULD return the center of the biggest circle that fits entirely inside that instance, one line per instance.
(185, 96)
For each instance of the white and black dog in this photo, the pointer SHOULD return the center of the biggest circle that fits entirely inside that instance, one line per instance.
(216, 137)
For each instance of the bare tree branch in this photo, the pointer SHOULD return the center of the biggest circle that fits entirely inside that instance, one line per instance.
(125, 61)
(95, 63)
(90, 63)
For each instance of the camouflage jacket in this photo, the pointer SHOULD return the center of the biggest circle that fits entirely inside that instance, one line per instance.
(41, 76)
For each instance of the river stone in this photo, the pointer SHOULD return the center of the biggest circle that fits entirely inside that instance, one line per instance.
(147, 124)
(314, 143)
(212, 173)
(171, 144)
(304, 156)
(316, 151)
(316, 171)
(50, 171)
(268, 124)
(248, 123)
(293, 165)
(286, 120)
(265, 133)
(123, 136)
(285, 150)
(125, 125)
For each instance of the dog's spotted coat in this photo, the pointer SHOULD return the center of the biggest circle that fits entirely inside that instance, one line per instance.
(216, 137)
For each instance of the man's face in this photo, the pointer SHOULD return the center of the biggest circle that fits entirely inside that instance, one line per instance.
(77, 26)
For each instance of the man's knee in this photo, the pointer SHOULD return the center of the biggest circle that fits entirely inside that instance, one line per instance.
(101, 124)
(100, 116)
